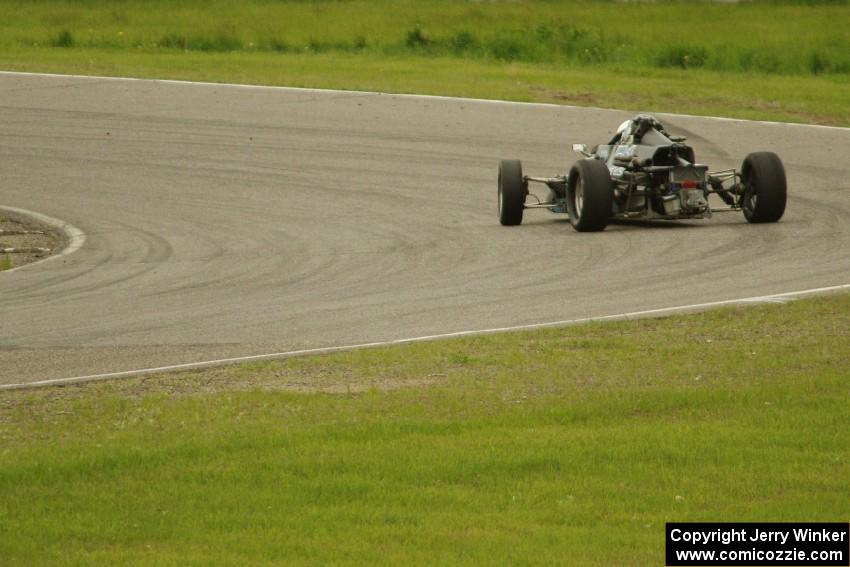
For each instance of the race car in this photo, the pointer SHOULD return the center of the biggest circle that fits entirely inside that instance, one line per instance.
(645, 173)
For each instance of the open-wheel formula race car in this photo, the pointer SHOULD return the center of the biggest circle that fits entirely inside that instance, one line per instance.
(645, 173)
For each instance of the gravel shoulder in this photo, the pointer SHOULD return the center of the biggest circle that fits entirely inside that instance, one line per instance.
(24, 240)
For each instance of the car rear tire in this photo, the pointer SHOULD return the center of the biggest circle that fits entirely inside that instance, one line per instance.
(512, 192)
(589, 195)
(765, 188)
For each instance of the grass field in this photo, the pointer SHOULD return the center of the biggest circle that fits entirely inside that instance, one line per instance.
(565, 446)
(774, 60)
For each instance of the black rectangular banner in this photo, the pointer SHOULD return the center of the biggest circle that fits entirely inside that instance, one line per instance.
(805, 544)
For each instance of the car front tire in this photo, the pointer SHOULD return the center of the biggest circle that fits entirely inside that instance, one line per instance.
(765, 187)
(589, 195)
(512, 192)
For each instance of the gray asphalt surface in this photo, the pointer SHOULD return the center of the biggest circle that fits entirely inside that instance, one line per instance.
(226, 221)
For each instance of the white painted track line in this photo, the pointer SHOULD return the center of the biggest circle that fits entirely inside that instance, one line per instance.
(75, 237)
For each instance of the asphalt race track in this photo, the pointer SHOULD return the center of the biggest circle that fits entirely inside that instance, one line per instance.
(225, 221)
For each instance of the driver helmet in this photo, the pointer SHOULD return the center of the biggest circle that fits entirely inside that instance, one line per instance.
(648, 121)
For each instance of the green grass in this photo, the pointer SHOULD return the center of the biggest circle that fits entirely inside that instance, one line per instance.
(567, 446)
(778, 60)
(5, 262)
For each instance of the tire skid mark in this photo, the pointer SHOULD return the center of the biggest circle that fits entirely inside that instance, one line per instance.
(342, 219)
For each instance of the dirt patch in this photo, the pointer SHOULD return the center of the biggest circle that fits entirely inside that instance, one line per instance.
(580, 99)
(272, 378)
(23, 241)
(53, 402)
(792, 114)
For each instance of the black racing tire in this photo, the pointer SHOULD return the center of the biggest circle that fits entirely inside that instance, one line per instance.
(765, 188)
(590, 195)
(512, 192)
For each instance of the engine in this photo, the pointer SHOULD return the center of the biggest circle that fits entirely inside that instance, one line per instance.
(685, 191)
